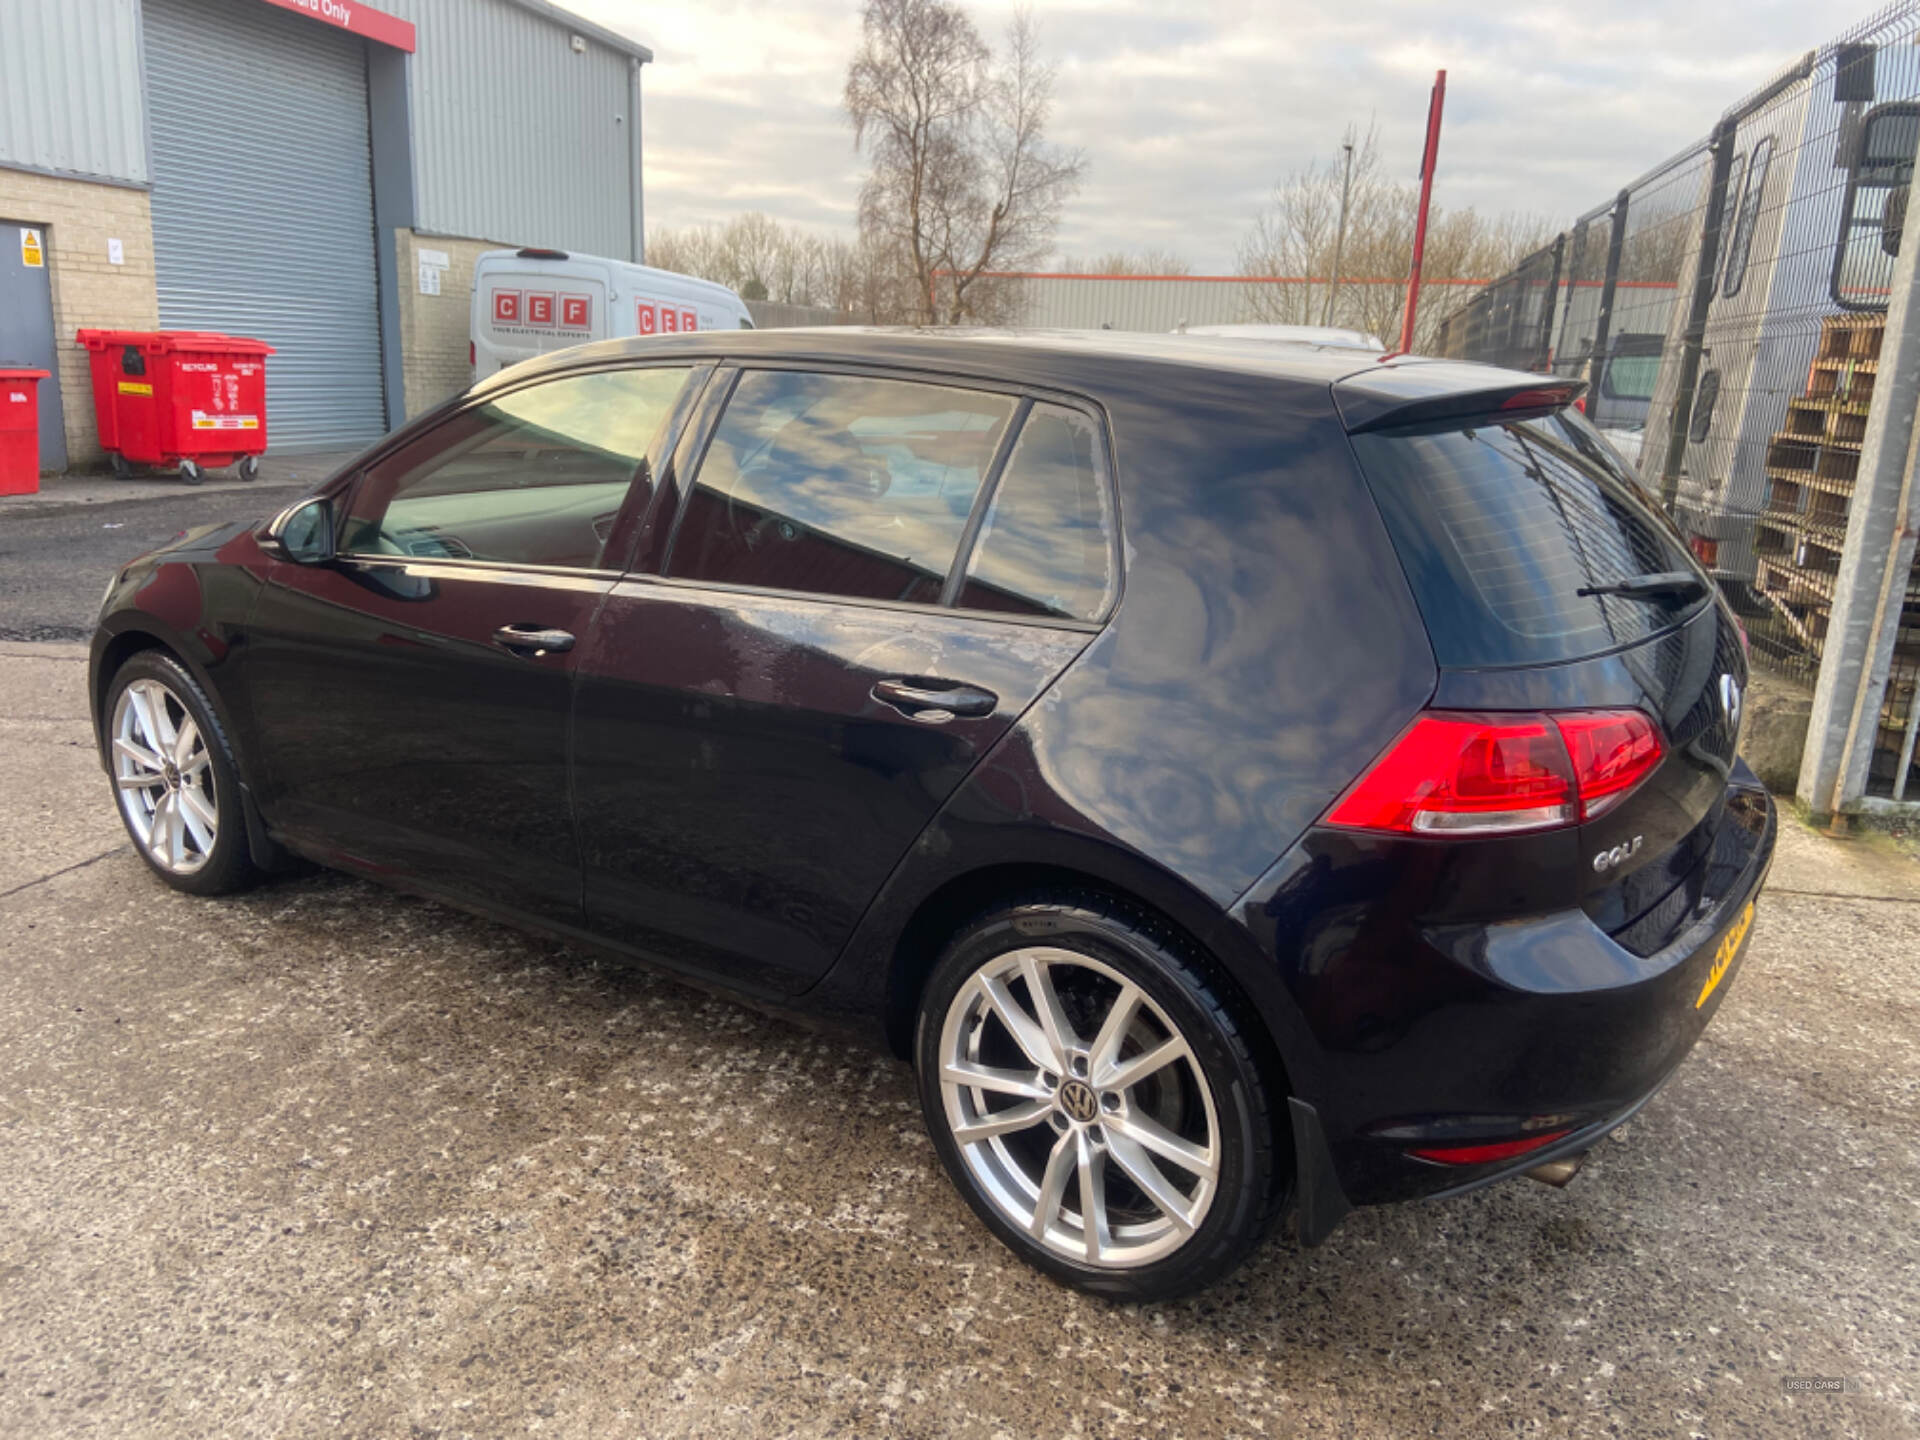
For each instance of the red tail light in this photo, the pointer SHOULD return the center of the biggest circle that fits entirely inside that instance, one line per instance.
(471, 357)
(1457, 773)
(1487, 1153)
(1612, 752)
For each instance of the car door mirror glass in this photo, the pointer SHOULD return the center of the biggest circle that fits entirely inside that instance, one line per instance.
(305, 532)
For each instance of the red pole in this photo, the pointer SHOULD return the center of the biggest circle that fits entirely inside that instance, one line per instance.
(1434, 106)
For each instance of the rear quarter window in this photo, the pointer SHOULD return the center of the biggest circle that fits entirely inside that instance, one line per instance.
(1500, 523)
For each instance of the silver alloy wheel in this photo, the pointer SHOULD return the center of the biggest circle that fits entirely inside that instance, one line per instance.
(164, 777)
(1060, 1075)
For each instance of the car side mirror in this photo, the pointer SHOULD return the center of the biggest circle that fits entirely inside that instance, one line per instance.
(304, 534)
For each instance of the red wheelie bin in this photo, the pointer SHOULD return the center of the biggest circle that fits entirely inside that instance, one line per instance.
(187, 398)
(19, 430)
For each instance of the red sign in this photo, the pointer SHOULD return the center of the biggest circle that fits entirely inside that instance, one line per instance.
(669, 319)
(539, 309)
(646, 319)
(506, 307)
(689, 321)
(351, 15)
(575, 311)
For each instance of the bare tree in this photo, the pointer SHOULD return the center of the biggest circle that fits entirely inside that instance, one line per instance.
(765, 260)
(1151, 261)
(1292, 243)
(962, 180)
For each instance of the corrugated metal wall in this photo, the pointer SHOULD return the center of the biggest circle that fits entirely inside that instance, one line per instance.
(1078, 302)
(515, 137)
(70, 87)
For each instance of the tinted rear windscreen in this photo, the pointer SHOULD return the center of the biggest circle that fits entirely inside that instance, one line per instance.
(1501, 523)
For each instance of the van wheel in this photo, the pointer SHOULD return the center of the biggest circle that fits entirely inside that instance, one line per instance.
(1095, 1102)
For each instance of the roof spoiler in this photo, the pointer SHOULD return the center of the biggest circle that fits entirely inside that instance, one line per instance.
(1424, 393)
(534, 252)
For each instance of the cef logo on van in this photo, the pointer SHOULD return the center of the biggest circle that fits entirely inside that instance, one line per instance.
(542, 310)
(650, 318)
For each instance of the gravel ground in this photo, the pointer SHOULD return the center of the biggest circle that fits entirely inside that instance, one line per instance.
(322, 1160)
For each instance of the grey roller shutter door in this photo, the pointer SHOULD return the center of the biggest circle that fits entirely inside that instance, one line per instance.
(263, 205)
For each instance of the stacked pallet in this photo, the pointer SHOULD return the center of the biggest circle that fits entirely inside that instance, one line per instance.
(1812, 464)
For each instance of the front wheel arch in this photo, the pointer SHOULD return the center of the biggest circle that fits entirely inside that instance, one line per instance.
(267, 854)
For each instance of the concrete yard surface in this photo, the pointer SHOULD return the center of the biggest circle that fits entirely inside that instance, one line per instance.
(322, 1160)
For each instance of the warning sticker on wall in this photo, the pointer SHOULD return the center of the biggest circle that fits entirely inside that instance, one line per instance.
(33, 254)
(204, 421)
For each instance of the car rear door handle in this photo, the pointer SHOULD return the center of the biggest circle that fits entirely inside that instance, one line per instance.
(935, 700)
(533, 640)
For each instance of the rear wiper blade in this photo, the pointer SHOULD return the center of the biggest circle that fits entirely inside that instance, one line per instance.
(1661, 585)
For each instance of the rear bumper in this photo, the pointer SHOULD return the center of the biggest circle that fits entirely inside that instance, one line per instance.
(1460, 1033)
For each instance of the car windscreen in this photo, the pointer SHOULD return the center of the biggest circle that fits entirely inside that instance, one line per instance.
(1501, 523)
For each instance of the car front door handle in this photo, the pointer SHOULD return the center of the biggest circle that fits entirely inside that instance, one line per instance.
(533, 640)
(935, 701)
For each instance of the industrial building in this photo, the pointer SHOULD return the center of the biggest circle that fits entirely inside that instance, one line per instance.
(319, 174)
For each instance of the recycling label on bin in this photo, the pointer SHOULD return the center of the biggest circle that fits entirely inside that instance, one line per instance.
(135, 387)
(203, 421)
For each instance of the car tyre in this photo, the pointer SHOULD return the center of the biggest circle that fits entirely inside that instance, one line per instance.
(1065, 1047)
(175, 779)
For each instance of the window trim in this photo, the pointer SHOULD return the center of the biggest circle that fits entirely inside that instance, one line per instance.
(1026, 397)
(1104, 463)
(865, 602)
(698, 376)
(982, 503)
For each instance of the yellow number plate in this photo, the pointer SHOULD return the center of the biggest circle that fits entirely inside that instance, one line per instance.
(1730, 944)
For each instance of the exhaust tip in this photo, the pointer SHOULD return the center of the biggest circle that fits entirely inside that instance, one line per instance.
(1558, 1172)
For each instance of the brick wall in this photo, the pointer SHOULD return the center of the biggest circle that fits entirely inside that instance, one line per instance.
(79, 217)
(434, 329)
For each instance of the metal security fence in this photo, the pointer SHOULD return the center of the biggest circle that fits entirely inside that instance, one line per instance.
(1727, 310)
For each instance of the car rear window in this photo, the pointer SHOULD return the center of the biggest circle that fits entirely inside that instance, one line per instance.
(1500, 524)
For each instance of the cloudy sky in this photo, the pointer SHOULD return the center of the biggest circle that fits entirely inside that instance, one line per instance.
(1188, 113)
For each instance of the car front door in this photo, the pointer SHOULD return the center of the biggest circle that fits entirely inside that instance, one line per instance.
(763, 728)
(410, 697)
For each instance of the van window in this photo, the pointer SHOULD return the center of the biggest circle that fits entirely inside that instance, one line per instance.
(535, 477)
(1500, 524)
(1747, 216)
(838, 485)
(1046, 547)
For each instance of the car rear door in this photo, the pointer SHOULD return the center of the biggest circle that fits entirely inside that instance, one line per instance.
(410, 698)
(867, 579)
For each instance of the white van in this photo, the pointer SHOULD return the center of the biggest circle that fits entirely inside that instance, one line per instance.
(527, 302)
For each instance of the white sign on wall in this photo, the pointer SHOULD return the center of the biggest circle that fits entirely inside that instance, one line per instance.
(433, 264)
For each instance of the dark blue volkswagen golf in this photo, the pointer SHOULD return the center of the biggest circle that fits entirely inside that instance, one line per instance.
(1241, 778)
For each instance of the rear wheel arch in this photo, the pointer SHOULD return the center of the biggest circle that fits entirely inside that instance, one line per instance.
(953, 905)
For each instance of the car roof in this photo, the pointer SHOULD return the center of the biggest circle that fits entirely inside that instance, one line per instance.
(1292, 335)
(1027, 355)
